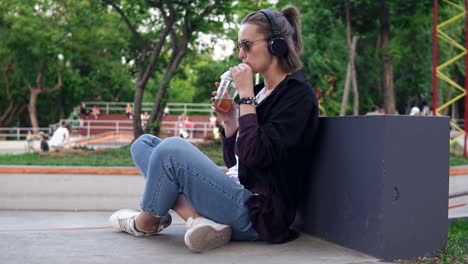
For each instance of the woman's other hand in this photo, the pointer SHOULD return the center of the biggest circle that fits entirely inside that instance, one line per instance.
(242, 74)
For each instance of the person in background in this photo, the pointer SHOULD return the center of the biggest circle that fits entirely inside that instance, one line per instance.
(29, 141)
(83, 110)
(74, 117)
(44, 144)
(213, 121)
(181, 132)
(144, 119)
(129, 111)
(166, 111)
(95, 111)
(421, 103)
(374, 110)
(415, 111)
(216, 130)
(189, 126)
(268, 140)
(61, 137)
(214, 126)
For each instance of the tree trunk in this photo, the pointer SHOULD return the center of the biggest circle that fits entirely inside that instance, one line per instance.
(351, 69)
(389, 95)
(178, 52)
(147, 68)
(387, 60)
(15, 107)
(351, 79)
(158, 109)
(13, 117)
(34, 94)
(353, 76)
(137, 102)
(344, 100)
(62, 103)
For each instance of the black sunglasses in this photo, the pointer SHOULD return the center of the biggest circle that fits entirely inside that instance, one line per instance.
(245, 45)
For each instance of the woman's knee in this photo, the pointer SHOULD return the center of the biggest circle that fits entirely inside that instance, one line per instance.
(143, 141)
(173, 145)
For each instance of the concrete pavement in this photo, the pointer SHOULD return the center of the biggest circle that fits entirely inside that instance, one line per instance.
(63, 218)
(51, 214)
(85, 237)
(102, 188)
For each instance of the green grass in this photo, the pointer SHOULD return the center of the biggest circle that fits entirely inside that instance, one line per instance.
(456, 160)
(456, 155)
(75, 157)
(121, 157)
(88, 157)
(456, 250)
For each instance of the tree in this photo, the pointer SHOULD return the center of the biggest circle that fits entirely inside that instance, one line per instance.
(351, 71)
(387, 59)
(34, 92)
(74, 45)
(175, 23)
(25, 23)
(392, 59)
(13, 106)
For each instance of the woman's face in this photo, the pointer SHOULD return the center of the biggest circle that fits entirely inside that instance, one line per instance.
(254, 50)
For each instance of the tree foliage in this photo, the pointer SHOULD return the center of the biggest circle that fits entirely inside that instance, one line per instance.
(160, 51)
(76, 39)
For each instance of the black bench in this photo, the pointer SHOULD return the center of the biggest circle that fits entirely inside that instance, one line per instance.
(379, 185)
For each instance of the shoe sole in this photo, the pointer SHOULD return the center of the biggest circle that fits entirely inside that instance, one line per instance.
(204, 238)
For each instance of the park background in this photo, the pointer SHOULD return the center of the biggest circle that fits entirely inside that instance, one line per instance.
(56, 53)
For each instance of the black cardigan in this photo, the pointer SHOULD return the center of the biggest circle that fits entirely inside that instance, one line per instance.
(274, 148)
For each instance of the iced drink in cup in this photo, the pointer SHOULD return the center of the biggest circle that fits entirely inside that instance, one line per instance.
(226, 93)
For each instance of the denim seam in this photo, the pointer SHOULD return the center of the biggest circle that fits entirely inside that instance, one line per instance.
(217, 188)
(156, 196)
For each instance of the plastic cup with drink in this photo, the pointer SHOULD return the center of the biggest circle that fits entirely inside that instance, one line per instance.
(226, 93)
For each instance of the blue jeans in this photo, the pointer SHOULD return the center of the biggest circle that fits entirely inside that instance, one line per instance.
(173, 166)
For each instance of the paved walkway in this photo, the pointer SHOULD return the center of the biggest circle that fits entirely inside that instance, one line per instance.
(76, 230)
(85, 237)
(43, 220)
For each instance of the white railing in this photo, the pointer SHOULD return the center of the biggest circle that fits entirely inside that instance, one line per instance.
(87, 125)
(21, 132)
(172, 127)
(117, 126)
(174, 108)
(187, 108)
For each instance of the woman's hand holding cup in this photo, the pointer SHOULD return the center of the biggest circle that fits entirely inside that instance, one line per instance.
(226, 116)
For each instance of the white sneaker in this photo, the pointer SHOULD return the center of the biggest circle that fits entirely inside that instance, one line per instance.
(204, 234)
(124, 220)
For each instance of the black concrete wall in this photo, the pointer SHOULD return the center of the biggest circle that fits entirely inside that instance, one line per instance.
(380, 185)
